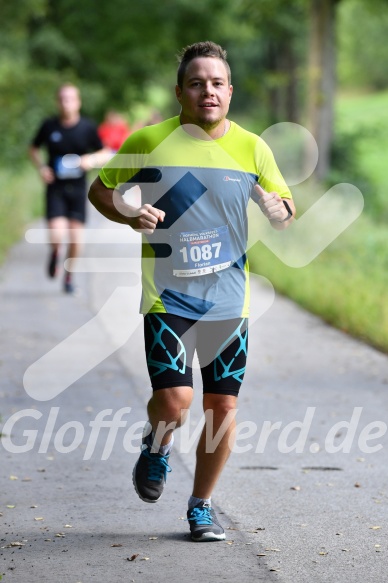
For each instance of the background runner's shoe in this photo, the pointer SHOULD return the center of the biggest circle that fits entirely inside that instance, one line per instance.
(150, 474)
(52, 264)
(204, 525)
(68, 287)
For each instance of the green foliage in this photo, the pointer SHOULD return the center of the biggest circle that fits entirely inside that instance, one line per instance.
(345, 160)
(21, 201)
(50, 49)
(364, 119)
(362, 43)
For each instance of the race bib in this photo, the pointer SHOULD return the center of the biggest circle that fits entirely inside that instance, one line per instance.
(197, 253)
(68, 166)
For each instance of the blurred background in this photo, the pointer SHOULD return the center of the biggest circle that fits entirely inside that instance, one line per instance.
(318, 63)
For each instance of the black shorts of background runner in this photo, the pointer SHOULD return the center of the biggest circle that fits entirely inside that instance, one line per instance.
(170, 343)
(66, 200)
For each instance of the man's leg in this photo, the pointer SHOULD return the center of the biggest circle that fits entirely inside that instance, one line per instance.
(169, 367)
(76, 233)
(222, 352)
(57, 230)
(167, 410)
(214, 448)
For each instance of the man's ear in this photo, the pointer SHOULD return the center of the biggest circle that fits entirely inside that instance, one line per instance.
(178, 92)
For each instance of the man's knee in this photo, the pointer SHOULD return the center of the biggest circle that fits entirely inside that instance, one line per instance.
(221, 405)
(172, 403)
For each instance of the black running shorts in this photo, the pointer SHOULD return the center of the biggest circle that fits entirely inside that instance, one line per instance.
(170, 343)
(66, 200)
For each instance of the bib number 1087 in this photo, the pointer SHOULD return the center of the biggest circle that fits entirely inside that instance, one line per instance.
(201, 252)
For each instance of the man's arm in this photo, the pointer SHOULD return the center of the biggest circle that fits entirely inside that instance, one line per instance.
(96, 159)
(109, 203)
(273, 207)
(46, 173)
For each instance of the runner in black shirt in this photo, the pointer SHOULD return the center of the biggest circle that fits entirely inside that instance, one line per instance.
(73, 147)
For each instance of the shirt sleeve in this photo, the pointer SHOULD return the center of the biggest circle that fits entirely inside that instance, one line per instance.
(40, 137)
(270, 177)
(130, 158)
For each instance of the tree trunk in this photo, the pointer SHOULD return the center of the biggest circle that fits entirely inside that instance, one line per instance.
(321, 80)
(283, 95)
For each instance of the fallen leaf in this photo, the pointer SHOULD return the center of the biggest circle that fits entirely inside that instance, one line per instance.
(375, 527)
(322, 553)
(357, 485)
(275, 550)
(274, 569)
(16, 544)
(360, 459)
(261, 555)
(133, 557)
(60, 535)
(13, 478)
(377, 546)
(229, 542)
(34, 506)
(68, 526)
(41, 470)
(152, 538)
(10, 505)
(295, 488)
(38, 518)
(145, 559)
(116, 545)
(345, 550)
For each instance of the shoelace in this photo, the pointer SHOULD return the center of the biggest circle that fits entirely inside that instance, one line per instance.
(158, 466)
(201, 515)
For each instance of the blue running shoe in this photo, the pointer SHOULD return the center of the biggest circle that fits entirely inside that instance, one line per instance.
(204, 525)
(150, 474)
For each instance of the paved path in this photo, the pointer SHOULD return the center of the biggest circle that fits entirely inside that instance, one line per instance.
(295, 509)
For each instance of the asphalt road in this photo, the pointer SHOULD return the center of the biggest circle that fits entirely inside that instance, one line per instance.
(303, 497)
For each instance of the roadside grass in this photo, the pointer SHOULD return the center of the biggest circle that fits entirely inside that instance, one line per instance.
(346, 285)
(21, 200)
(366, 116)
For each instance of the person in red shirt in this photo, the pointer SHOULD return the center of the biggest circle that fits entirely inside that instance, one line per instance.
(113, 131)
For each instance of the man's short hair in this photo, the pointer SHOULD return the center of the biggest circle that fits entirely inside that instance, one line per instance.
(201, 49)
(65, 86)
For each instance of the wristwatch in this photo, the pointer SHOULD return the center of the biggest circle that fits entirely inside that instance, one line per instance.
(288, 208)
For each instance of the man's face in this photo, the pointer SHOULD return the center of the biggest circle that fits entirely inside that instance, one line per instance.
(205, 94)
(69, 101)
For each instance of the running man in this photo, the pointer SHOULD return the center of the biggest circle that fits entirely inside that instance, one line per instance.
(197, 172)
(73, 147)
